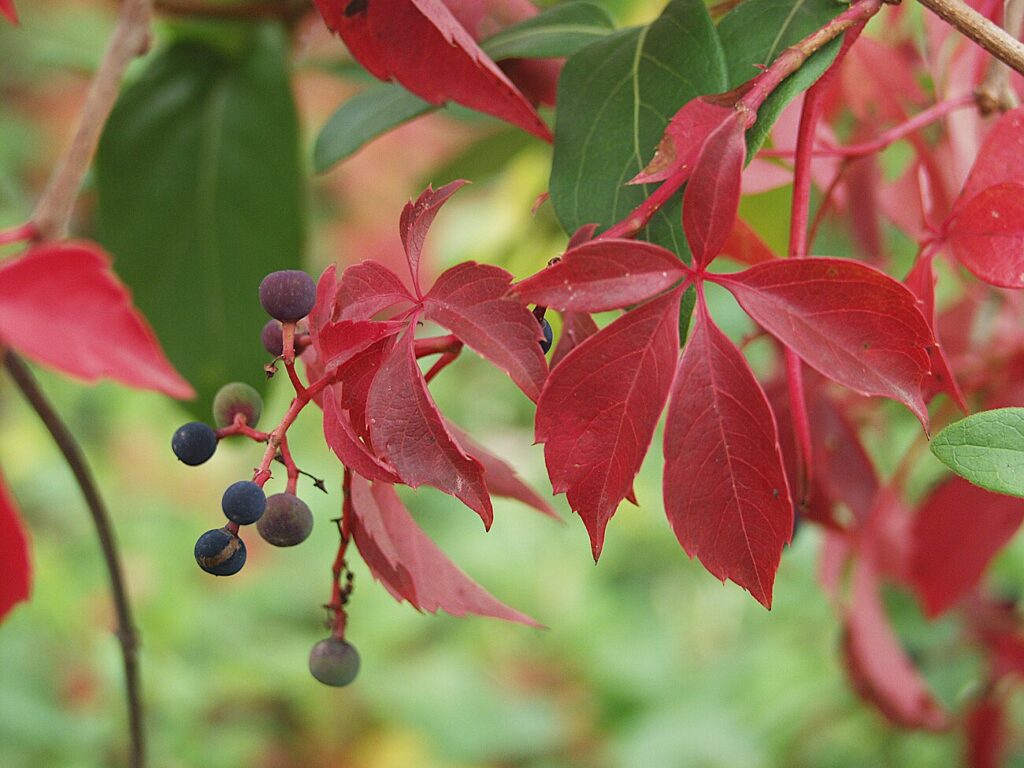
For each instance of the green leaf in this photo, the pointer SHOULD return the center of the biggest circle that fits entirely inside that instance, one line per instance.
(615, 99)
(557, 32)
(756, 32)
(364, 117)
(987, 449)
(201, 194)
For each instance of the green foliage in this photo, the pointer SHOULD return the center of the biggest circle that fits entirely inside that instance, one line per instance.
(987, 449)
(558, 31)
(201, 195)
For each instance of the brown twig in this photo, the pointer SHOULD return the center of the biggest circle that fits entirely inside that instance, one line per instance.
(993, 38)
(995, 92)
(130, 40)
(126, 632)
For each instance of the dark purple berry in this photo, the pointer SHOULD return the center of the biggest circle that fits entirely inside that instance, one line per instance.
(286, 521)
(236, 398)
(334, 662)
(243, 502)
(288, 295)
(273, 338)
(220, 552)
(194, 443)
(549, 336)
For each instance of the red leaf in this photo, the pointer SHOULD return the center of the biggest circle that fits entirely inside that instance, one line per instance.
(366, 289)
(712, 194)
(347, 446)
(598, 410)
(878, 666)
(576, 327)
(986, 734)
(7, 9)
(16, 584)
(501, 478)
(420, 44)
(603, 274)
(469, 299)
(416, 220)
(61, 305)
(986, 234)
(956, 533)
(726, 494)
(403, 558)
(323, 309)
(341, 341)
(1001, 157)
(921, 280)
(684, 137)
(746, 246)
(849, 321)
(408, 432)
(354, 381)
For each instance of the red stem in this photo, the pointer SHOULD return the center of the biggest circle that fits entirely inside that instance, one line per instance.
(19, 234)
(290, 467)
(436, 345)
(442, 362)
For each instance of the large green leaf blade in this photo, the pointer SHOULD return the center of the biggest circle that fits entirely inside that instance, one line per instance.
(201, 194)
(756, 32)
(986, 449)
(370, 113)
(554, 33)
(615, 98)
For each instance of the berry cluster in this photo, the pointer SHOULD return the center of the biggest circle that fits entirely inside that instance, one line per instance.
(281, 519)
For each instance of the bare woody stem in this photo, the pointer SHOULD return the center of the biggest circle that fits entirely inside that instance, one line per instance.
(126, 632)
(993, 38)
(130, 39)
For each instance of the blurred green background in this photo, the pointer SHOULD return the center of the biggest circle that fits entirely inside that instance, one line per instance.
(647, 660)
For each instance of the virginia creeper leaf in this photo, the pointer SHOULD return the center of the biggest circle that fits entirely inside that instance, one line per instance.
(201, 194)
(597, 413)
(849, 321)
(712, 194)
(956, 533)
(576, 327)
(409, 433)
(416, 220)
(404, 559)
(323, 309)
(350, 450)
(1001, 157)
(501, 478)
(986, 733)
(469, 300)
(614, 106)
(7, 9)
(921, 281)
(725, 488)
(16, 585)
(366, 289)
(986, 449)
(684, 137)
(601, 275)
(354, 381)
(878, 666)
(343, 340)
(62, 305)
(986, 233)
(420, 44)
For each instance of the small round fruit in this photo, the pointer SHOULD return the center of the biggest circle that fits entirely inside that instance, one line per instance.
(288, 295)
(234, 399)
(194, 443)
(549, 336)
(286, 521)
(220, 552)
(273, 338)
(243, 502)
(334, 662)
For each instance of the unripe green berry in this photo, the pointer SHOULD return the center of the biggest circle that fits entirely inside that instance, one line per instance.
(334, 662)
(237, 398)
